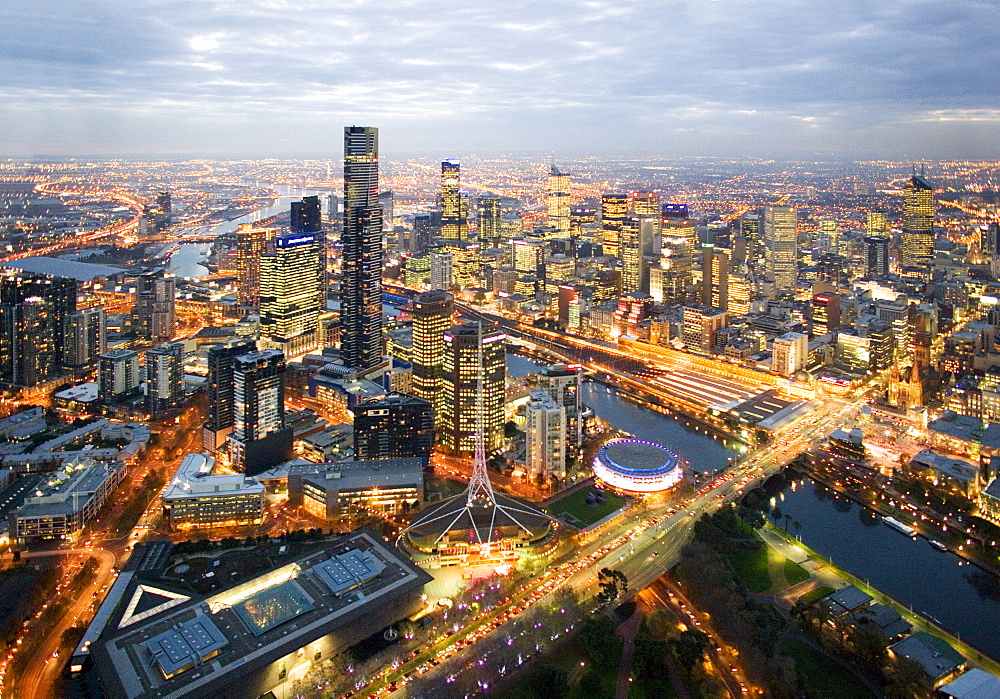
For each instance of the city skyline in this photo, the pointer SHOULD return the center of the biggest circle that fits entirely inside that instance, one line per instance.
(722, 79)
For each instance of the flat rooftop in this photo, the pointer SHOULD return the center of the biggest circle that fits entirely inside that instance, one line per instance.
(69, 269)
(257, 622)
(361, 475)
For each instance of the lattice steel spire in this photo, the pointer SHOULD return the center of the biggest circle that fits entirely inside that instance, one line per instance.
(480, 489)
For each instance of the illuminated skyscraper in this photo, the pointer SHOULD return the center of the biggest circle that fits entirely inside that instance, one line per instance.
(394, 427)
(118, 375)
(251, 242)
(462, 400)
(361, 295)
(453, 219)
(918, 222)
(558, 197)
(630, 253)
(564, 384)
(614, 209)
(260, 439)
(432, 316)
(289, 308)
(780, 239)
(876, 224)
(489, 220)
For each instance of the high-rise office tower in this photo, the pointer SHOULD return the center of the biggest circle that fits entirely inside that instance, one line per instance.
(306, 215)
(614, 210)
(154, 306)
(545, 437)
(780, 239)
(581, 215)
(715, 277)
(739, 291)
(164, 377)
(680, 227)
(989, 239)
(118, 375)
(630, 253)
(557, 199)
(432, 316)
(361, 289)
(289, 307)
(876, 255)
(461, 403)
(85, 336)
(646, 205)
(876, 223)
(442, 270)
(260, 439)
(489, 221)
(453, 223)
(251, 242)
(668, 283)
(564, 384)
(394, 427)
(32, 310)
(750, 229)
(918, 222)
(221, 387)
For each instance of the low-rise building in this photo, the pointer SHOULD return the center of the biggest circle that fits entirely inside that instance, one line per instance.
(331, 490)
(938, 659)
(197, 497)
(66, 500)
(951, 475)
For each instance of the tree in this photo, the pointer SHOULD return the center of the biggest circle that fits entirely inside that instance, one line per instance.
(907, 680)
(776, 514)
(551, 681)
(689, 648)
(598, 637)
(613, 584)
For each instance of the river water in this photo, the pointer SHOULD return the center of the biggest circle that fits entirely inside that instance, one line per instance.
(961, 597)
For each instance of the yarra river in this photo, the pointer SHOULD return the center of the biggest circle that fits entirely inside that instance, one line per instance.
(962, 598)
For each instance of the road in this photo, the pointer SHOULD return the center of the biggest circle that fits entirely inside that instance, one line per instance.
(40, 673)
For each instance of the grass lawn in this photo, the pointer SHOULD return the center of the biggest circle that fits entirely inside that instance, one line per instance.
(639, 689)
(816, 594)
(822, 676)
(574, 509)
(765, 571)
(794, 573)
(751, 569)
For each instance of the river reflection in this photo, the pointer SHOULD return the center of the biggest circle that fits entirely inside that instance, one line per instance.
(964, 599)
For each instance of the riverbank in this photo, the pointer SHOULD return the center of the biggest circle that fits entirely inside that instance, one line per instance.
(919, 622)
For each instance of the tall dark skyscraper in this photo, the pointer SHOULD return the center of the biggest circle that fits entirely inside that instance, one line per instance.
(260, 439)
(221, 409)
(164, 377)
(918, 222)
(154, 306)
(876, 255)
(306, 215)
(361, 295)
(489, 220)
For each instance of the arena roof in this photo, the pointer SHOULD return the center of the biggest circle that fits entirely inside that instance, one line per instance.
(69, 269)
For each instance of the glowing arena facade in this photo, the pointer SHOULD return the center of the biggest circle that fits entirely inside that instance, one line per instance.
(636, 466)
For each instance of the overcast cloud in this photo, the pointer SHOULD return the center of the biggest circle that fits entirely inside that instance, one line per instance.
(763, 78)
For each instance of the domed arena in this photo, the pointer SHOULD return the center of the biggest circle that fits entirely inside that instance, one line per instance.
(637, 466)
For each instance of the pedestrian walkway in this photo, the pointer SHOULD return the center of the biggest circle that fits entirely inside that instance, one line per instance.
(627, 631)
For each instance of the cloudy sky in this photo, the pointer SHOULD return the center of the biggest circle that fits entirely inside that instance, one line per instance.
(759, 78)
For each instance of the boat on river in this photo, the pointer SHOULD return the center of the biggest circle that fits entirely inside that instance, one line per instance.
(900, 527)
(940, 546)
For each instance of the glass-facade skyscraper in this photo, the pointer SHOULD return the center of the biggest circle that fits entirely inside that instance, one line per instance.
(361, 295)
(453, 219)
(918, 222)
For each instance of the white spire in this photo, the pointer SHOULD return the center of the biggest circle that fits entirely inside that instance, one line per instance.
(480, 489)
